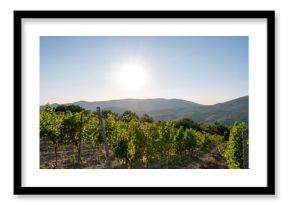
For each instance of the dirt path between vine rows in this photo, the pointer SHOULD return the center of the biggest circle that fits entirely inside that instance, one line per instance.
(210, 159)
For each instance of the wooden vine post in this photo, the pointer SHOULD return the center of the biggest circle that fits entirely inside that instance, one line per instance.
(103, 133)
(80, 140)
(245, 149)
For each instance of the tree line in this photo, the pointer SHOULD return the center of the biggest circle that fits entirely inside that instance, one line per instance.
(132, 140)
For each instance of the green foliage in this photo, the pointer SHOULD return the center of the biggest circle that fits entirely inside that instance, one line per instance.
(202, 127)
(146, 118)
(186, 123)
(71, 108)
(62, 128)
(43, 166)
(51, 128)
(73, 159)
(106, 113)
(91, 129)
(209, 138)
(71, 127)
(151, 134)
(219, 129)
(179, 141)
(51, 125)
(136, 142)
(110, 124)
(119, 142)
(128, 116)
(233, 152)
(189, 139)
(133, 142)
(166, 139)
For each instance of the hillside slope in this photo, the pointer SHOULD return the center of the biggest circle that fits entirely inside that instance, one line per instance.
(173, 109)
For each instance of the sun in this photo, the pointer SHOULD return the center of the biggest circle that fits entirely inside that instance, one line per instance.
(132, 76)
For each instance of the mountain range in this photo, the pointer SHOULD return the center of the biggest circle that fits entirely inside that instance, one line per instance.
(173, 109)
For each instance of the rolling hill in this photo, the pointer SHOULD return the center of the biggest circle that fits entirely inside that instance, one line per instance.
(173, 109)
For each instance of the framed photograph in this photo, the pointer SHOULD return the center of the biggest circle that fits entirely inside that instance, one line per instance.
(144, 102)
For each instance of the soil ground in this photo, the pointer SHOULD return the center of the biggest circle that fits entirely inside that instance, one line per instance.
(210, 158)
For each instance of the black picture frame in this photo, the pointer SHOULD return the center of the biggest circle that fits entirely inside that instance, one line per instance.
(19, 189)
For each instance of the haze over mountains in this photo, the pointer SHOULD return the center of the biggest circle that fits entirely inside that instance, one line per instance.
(173, 109)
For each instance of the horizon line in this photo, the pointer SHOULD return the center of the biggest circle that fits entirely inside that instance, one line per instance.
(143, 99)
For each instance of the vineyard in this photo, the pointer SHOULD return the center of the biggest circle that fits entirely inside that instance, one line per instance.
(72, 137)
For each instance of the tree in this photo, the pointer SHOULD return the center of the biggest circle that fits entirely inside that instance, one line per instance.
(202, 127)
(146, 118)
(219, 129)
(186, 123)
(72, 108)
(128, 116)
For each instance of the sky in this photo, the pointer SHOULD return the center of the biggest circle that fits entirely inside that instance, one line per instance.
(201, 69)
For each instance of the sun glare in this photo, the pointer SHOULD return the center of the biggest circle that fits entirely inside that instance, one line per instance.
(132, 77)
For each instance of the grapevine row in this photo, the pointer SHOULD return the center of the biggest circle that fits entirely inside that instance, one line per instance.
(133, 142)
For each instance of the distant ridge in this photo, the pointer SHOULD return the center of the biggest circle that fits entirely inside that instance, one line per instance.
(174, 109)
